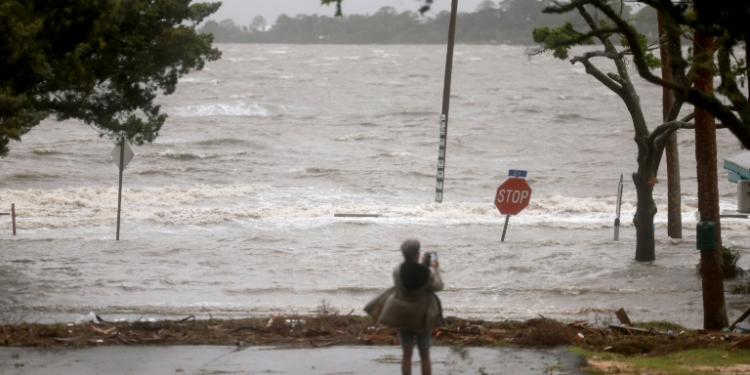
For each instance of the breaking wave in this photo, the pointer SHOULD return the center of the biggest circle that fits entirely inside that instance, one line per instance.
(180, 155)
(45, 151)
(214, 204)
(238, 109)
(353, 137)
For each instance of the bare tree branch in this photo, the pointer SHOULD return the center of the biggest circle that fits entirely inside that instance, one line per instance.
(598, 74)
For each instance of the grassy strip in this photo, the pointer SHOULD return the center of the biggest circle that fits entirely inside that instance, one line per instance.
(688, 362)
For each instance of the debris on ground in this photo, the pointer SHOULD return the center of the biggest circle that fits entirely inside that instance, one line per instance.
(335, 330)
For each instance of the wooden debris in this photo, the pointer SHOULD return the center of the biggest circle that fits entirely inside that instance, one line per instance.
(721, 333)
(629, 330)
(324, 331)
(741, 318)
(254, 329)
(622, 316)
(745, 341)
(102, 331)
(66, 339)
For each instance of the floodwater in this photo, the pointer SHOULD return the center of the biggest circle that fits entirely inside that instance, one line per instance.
(230, 212)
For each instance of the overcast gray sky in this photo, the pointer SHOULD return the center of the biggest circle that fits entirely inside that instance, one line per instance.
(243, 11)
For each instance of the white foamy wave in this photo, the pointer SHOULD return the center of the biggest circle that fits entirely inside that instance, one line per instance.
(221, 141)
(325, 214)
(315, 170)
(190, 80)
(337, 58)
(70, 141)
(258, 205)
(396, 154)
(221, 109)
(171, 195)
(242, 96)
(243, 59)
(45, 151)
(561, 205)
(163, 170)
(180, 155)
(352, 137)
(92, 206)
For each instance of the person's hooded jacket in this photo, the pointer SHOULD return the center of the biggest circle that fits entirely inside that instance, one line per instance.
(412, 303)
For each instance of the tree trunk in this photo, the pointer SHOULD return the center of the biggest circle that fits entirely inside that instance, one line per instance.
(644, 178)
(714, 306)
(643, 221)
(674, 190)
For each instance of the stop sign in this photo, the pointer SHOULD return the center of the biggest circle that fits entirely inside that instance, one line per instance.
(513, 196)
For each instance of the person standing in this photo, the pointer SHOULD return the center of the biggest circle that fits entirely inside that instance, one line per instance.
(411, 306)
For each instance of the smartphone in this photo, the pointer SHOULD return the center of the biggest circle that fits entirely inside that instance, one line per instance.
(433, 257)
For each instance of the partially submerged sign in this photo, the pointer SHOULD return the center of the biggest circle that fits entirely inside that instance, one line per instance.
(127, 156)
(512, 196)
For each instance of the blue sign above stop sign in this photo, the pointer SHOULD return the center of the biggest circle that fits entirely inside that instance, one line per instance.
(513, 196)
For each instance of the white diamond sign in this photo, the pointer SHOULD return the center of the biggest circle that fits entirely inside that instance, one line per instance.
(126, 158)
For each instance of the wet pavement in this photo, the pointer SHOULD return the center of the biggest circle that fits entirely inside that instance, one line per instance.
(207, 360)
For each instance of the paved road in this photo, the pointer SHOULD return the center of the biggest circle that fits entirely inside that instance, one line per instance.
(206, 360)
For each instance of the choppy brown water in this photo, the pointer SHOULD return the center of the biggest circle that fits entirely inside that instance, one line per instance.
(231, 210)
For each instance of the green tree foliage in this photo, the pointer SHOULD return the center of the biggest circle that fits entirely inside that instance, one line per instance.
(729, 259)
(725, 20)
(560, 40)
(99, 61)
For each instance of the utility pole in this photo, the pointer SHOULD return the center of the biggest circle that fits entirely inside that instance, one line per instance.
(714, 306)
(674, 190)
(446, 104)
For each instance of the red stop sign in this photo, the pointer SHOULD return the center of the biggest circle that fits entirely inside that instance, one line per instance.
(513, 196)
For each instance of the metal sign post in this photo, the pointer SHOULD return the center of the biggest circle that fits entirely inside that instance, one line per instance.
(122, 155)
(619, 202)
(446, 104)
(505, 228)
(12, 214)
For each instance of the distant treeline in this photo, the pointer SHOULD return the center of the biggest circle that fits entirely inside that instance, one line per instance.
(504, 22)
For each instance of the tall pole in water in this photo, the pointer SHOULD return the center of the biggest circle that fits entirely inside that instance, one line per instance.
(446, 104)
(119, 190)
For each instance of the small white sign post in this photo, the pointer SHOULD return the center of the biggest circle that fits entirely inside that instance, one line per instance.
(617, 211)
(122, 154)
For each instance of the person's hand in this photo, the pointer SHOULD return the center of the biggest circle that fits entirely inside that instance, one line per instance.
(426, 259)
(436, 264)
